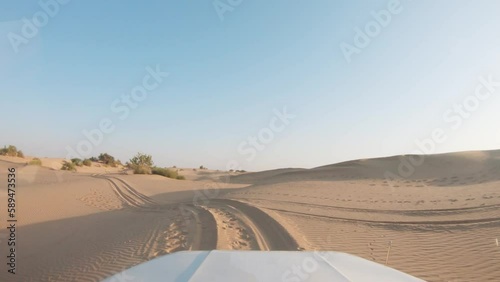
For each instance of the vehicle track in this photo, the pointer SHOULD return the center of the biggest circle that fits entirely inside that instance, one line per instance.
(129, 196)
(423, 212)
(204, 228)
(131, 190)
(386, 222)
(268, 233)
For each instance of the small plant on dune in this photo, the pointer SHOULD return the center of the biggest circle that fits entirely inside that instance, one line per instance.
(107, 159)
(20, 154)
(141, 163)
(142, 159)
(68, 166)
(11, 151)
(167, 173)
(35, 161)
(142, 169)
(77, 161)
(164, 172)
(202, 167)
(87, 162)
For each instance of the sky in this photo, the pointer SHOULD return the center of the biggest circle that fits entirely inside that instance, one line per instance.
(253, 85)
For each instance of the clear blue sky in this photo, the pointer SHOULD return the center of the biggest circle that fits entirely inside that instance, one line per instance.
(227, 75)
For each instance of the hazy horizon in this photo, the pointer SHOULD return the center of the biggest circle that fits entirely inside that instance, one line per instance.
(264, 85)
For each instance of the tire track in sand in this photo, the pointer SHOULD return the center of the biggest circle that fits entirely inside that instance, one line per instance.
(242, 226)
(129, 196)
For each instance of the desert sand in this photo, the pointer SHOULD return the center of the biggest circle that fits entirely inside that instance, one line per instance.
(441, 222)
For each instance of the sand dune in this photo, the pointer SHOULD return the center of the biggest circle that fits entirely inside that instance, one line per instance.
(441, 222)
(433, 167)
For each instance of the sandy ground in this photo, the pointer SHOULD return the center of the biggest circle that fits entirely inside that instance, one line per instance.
(439, 223)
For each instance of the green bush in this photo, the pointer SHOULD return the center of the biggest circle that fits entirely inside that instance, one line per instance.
(142, 160)
(164, 172)
(141, 164)
(20, 154)
(142, 169)
(167, 173)
(87, 162)
(77, 161)
(10, 150)
(107, 159)
(35, 161)
(68, 166)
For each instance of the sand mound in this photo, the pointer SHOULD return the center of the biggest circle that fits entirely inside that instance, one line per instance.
(472, 165)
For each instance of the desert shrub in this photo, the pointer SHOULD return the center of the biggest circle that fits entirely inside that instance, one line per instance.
(107, 159)
(20, 154)
(142, 159)
(10, 150)
(165, 172)
(68, 166)
(142, 169)
(77, 161)
(141, 163)
(94, 159)
(87, 162)
(202, 167)
(35, 161)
